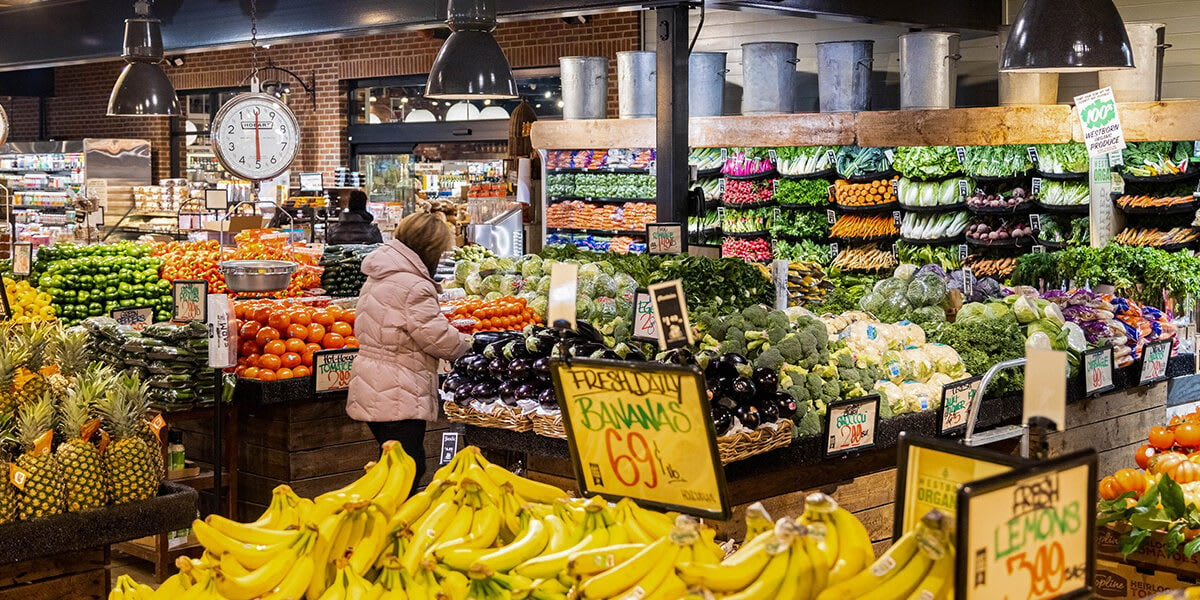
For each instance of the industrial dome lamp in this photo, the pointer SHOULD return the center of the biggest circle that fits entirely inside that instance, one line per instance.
(470, 64)
(1064, 36)
(143, 89)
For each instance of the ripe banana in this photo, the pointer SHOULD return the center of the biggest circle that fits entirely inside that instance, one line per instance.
(590, 562)
(426, 532)
(548, 565)
(363, 488)
(729, 576)
(613, 582)
(528, 545)
(251, 556)
(769, 581)
(854, 545)
(364, 552)
(820, 563)
(939, 583)
(295, 584)
(530, 490)
(757, 520)
(401, 472)
(264, 579)
(887, 565)
(172, 588)
(657, 575)
(903, 582)
(705, 549)
(249, 534)
(671, 589)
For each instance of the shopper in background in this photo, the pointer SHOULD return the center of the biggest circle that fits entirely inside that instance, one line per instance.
(402, 334)
(354, 225)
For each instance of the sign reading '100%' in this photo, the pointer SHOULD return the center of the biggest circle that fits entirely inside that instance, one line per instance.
(642, 431)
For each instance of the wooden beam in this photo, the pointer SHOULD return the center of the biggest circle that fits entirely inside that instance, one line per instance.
(1042, 124)
(802, 129)
(1174, 120)
(593, 135)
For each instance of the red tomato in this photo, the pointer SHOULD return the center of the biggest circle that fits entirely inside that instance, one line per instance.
(1188, 434)
(306, 359)
(296, 330)
(1161, 437)
(312, 347)
(248, 347)
(290, 360)
(348, 315)
(266, 334)
(300, 316)
(316, 333)
(333, 341)
(280, 320)
(249, 329)
(1143, 455)
(262, 314)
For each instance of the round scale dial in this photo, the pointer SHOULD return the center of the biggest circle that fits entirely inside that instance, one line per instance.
(3, 125)
(255, 136)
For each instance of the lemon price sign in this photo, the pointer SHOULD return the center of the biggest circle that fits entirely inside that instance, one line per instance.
(1029, 533)
(642, 431)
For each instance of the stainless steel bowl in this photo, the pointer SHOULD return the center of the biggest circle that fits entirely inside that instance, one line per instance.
(257, 275)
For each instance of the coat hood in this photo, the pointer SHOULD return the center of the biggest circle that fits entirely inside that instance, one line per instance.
(355, 216)
(393, 257)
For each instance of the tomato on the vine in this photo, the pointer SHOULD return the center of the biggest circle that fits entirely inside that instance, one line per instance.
(1143, 455)
(1161, 437)
(1188, 434)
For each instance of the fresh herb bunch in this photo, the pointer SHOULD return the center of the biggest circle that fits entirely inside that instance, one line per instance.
(807, 224)
(927, 162)
(803, 250)
(808, 192)
(997, 161)
(1141, 273)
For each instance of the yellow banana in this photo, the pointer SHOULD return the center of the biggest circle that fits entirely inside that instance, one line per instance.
(459, 525)
(900, 585)
(706, 549)
(368, 547)
(333, 533)
(656, 524)
(399, 483)
(548, 565)
(729, 576)
(484, 529)
(590, 562)
(757, 520)
(671, 589)
(561, 537)
(269, 515)
(357, 588)
(767, 585)
(880, 571)
(820, 564)
(251, 556)
(249, 534)
(530, 490)
(817, 507)
(797, 584)
(854, 545)
(295, 584)
(426, 532)
(655, 577)
(337, 589)
(616, 580)
(365, 487)
(264, 579)
(231, 567)
(172, 588)
(412, 509)
(203, 589)
(528, 545)
(461, 559)
(939, 583)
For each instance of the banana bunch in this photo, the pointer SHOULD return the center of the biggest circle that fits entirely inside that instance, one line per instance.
(643, 571)
(919, 566)
(127, 589)
(840, 536)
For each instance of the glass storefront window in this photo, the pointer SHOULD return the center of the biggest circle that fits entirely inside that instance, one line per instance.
(405, 101)
(191, 132)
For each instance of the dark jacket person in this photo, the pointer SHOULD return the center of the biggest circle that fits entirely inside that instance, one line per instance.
(354, 225)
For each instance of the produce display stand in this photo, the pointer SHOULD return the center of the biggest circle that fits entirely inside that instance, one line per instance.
(67, 555)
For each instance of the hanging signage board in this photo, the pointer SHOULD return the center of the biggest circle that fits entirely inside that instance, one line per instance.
(22, 259)
(930, 471)
(1029, 533)
(957, 398)
(222, 332)
(189, 300)
(137, 317)
(850, 425)
(645, 327)
(1101, 122)
(1154, 362)
(642, 431)
(1098, 370)
(670, 315)
(664, 238)
(332, 370)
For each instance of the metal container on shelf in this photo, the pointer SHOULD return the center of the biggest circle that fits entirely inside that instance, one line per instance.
(706, 84)
(768, 78)
(928, 70)
(844, 75)
(257, 275)
(1025, 88)
(1142, 83)
(584, 86)
(636, 85)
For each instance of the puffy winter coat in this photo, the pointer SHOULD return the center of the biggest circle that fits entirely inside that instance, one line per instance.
(353, 227)
(401, 334)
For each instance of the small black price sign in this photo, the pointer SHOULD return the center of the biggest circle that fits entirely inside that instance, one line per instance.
(895, 251)
(772, 155)
(450, 444)
(896, 217)
(1036, 186)
(670, 310)
(1038, 249)
(963, 251)
(957, 398)
(850, 425)
(1033, 154)
(895, 187)
(1098, 371)
(1154, 362)
(961, 153)
(1035, 221)
(189, 300)
(963, 188)
(833, 251)
(830, 216)
(968, 283)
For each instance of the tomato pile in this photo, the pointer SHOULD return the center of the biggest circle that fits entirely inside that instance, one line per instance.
(1172, 450)
(192, 260)
(276, 340)
(200, 260)
(507, 313)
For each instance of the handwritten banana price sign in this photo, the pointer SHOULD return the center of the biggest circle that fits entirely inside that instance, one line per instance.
(1030, 533)
(642, 431)
(332, 370)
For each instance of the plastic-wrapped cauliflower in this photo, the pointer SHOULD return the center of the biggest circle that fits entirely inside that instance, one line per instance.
(917, 364)
(463, 269)
(891, 396)
(590, 271)
(920, 397)
(584, 307)
(946, 360)
(543, 286)
(910, 334)
(489, 264)
(586, 286)
(905, 271)
(539, 304)
(474, 285)
(895, 307)
(894, 368)
(624, 304)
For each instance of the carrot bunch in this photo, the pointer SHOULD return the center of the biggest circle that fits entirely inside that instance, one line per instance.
(864, 226)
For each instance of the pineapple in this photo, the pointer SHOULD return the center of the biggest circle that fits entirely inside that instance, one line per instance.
(71, 357)
(8, 493)
(11, 358)
(131, 463)
(31, 378)
(43, 493)
(80, 459)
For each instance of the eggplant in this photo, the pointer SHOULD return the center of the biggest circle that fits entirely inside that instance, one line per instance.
(766, 380)
(588, 332)
(498, 367)
(725, 401)
(727, 364)
(478, 366)
(508, 392)
(485, 390)
(786, 404)
(528, 391)
(541, 366)
(723, 386)
(460, 363)
(722, 419)
(485, 338)
(635, 355)
(540, 344)
(743, 390)
(678, 356)
(769, 411)
(748, 415)
(583, 349)
(520, 369)
(454, 382)
(516, 349)
(548, 399)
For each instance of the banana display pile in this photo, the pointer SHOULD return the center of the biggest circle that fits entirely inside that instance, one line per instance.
(480, 532)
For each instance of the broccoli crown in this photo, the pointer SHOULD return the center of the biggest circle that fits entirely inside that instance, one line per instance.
(717, 328)
(791, 348)
(776, 334)
(777, 319)
(799, 394)
(755, 315)
(814, 384)
(771, 359)
(732, 346)
(831, 391)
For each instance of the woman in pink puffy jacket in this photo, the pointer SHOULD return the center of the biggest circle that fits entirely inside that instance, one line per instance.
(401, 334)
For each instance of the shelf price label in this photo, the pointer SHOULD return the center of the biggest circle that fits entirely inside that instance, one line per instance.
(896, 217)
(1033, 154)
(833, 251)
(1098, 370)
(137, 317)
(961, 153)
(645, 328)
(957, 398)
(1036, 187)
(1038, 249)
(1029, 533)
(963, 251)
(830, 216)
(1035, 221)
(643, 432)
(670, 314)
(22, 259)
(189, 300)
(333, 370)
(1154, 362)
(850, 425)
(963, 188)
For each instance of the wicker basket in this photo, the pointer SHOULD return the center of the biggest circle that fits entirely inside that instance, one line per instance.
(741, 446)
(549, 425)
(504, 417)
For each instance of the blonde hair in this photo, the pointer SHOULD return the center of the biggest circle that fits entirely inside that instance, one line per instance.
(427, 235)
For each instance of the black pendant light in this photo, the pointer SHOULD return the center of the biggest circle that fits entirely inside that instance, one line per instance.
(470, 64)
(143, 89)
(1064, 36)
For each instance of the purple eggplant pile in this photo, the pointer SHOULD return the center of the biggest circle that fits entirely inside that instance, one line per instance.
(738, 390)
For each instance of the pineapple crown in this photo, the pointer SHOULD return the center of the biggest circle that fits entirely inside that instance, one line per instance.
(70, 351)
(8, 440)
(124, 406)
(12, 356)
(33, 420)
(37, 338)
(76, 409)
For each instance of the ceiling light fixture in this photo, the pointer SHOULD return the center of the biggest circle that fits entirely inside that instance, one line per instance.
(1065, 36)
(470, 65)
(143, 89)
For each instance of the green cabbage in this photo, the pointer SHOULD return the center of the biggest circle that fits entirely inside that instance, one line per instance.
(1025, 310)
(890, 286)
(973, 311)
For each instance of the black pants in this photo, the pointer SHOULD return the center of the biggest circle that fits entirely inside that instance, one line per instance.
(410, 434)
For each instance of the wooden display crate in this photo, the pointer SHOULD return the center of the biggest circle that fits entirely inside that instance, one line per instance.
(1116, 579)
(80, 575)
(1152, 555)
(1115, 424)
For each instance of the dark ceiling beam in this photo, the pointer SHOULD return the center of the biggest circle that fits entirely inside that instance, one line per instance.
(976, 15)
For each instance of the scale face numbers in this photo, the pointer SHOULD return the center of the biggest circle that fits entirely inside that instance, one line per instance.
(255, 136)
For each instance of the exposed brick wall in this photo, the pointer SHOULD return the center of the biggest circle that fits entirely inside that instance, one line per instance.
(82, 91)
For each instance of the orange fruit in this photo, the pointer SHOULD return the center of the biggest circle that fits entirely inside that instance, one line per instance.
(250, 373)
(335, 311)
(270, 361)
(248, 347)
(351, 341)
(260, 313)
(1161, 437)
(275, 347)
(266, 375)
(279, 320)
(295, 330)
(295, 344)
(301, 371)
(333, 341)
(266, 334)
(342, 328)
(316, 333)
(323, 318)
(284, 373)
(312, 347)
(349, 315)
(290, 360)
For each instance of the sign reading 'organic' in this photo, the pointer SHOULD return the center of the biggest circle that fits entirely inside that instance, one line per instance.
(642, 431)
